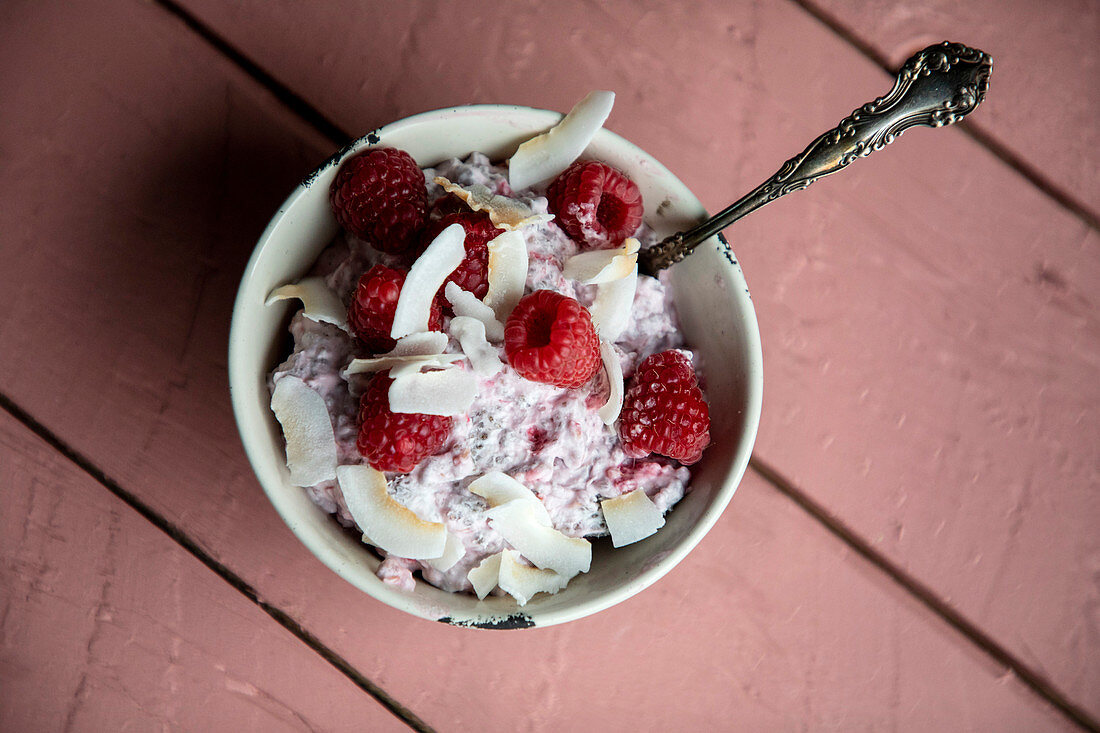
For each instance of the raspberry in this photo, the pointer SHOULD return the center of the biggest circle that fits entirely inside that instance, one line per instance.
(445, 205)
(550, 338)
(473, 273)
(396, 441)
(379, 195)
(371, 311)
(664, 410)
(595, 204)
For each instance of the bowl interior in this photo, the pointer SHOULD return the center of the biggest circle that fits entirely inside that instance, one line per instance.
(714, 308)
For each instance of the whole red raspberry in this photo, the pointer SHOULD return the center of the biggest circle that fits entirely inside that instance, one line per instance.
(396, 441)
(473, 273)
(664, 410)
(595, 204)
(370, 314)
(550, 338)
(379, 195)
(445, 205)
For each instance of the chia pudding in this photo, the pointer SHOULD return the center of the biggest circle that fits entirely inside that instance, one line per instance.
(551, 439)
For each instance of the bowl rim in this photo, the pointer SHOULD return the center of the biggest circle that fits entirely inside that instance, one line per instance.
(598, 601)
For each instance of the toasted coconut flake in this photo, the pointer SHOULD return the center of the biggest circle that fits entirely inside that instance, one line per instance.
(453, 551)
(504, 212)
(483, 356)
(425, 278)
(422, 343)
(394, 363)
(484, 576)
(522, 582)
(603, 265)
(411, 367)
(613, 305)
(609, 413)
(499, 488)
(507, 273)
(631, 517)
(307, 428)
(390, 525)
(444, 392)
(545, 156)
(517, 522)
(408, 356)
(319, 303)
(465, 303)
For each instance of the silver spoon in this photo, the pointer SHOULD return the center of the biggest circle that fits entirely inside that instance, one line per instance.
(936, 87)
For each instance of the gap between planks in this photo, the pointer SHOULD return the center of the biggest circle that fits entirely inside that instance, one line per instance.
(973, 129)
(340, 137)
(926, 597)
(181, 538)
(288, 97)
(909, 584)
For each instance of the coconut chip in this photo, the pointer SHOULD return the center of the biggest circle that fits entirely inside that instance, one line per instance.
(609, 413)
(545, 156)
(307, 428)
(411, 367)
(390, 525)
(603, 265)
(424, 280)
(523, 581)
(408, 356)
(504, 212)
(484, 577)
(507, 273)
(443, 392)
(453, 551)
(612, 306)
(465, 303)
(483, 356)
(422, 343)
(319, 303)
(499, 488)
(519, 525)
(395, 364)
(631, 517)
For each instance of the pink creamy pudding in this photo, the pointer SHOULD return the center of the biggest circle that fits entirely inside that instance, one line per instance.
(550, 439)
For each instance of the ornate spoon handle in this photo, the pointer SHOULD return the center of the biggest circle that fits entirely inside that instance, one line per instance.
(938, 86)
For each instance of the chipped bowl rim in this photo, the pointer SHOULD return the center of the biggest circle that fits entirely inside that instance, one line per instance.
(254, 419)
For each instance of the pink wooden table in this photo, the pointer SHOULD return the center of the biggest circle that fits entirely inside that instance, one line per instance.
(915, 546)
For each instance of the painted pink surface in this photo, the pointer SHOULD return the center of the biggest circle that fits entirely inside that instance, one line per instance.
(1044, 107)
(174, 160)
(107, 624)
(947, 413)
(928, 318)
(1046, 77)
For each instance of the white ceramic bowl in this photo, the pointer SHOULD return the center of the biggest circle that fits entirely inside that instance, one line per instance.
(715, 311)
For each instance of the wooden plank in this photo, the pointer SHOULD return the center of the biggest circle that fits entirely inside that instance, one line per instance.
(929, 323)
(107, 624)
(160, 640)
(115, 336)
(769, 625)
(1042, 110)
(1045, 96)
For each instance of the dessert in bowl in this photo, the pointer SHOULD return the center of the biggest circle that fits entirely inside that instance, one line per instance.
(715, 316)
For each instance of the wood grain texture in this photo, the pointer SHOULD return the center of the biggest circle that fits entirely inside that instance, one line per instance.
(106, 624)
(929, 318)
(122, 273)
(803, 635)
